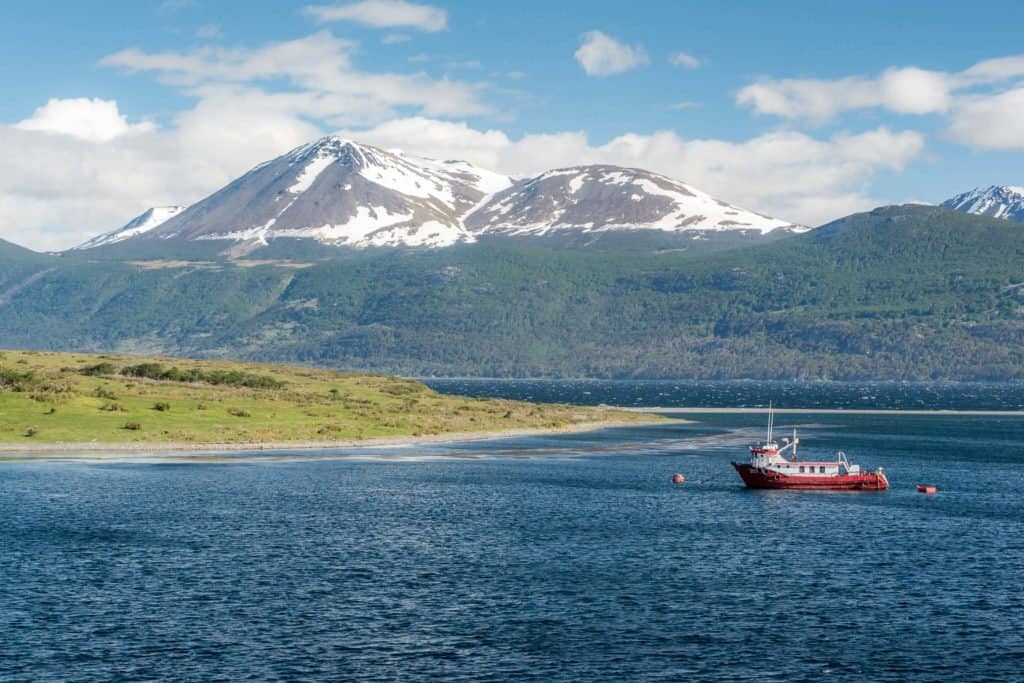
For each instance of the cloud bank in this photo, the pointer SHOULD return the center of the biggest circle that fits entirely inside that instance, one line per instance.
(981, 104)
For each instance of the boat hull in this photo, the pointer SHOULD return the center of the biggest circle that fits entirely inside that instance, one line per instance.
(765, 479)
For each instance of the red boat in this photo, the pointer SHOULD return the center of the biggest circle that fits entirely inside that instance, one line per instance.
(770, 469)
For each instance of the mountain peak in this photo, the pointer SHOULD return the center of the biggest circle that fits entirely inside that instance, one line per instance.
(603, 197)
(996, 201)
(327, 142)
(141, 224)
(340, 192)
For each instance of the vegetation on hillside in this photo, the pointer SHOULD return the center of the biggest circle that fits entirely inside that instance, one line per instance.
(912, 292)
(78, 398)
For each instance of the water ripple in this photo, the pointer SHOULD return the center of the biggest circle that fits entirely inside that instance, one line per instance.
(551, 559)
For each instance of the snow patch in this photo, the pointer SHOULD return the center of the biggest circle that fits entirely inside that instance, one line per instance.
(137, 226)
(310, 172)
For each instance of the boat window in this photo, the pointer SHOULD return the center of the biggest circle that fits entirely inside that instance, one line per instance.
(801, 468)
(822, 469)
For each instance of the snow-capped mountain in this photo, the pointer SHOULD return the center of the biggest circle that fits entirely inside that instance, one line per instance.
(139, 225)
(602, 198)
(339, 192)
(996, 201)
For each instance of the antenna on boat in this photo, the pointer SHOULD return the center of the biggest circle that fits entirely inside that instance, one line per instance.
(771, 418)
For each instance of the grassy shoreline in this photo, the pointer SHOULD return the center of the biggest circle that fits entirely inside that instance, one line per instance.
(62, 401)
(92, 450)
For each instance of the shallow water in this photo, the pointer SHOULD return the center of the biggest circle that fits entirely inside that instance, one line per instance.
(558, 558)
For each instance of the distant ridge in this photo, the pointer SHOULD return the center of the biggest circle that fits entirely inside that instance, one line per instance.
(902, 292)
(338, 192)
(995, 201)
(139, 225)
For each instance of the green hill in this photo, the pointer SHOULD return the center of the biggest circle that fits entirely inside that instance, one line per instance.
(77, 398)
(907, 292)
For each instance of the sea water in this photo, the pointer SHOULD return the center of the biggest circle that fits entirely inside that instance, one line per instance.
(559, 558)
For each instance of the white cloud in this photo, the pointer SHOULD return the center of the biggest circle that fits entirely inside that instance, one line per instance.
(56, 192)
(384, 14)
(786, 174)
(319, 68)
(990, 122)
(683, 60)
(992, 70)
(73, 170)
(685, 104)
(915, 91)
(906, 90)
(93, 119)
(981, 104)
(602, 55)
(395, 39)
(252, 104)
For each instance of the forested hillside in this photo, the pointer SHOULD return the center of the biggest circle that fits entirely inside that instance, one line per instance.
(909, 292)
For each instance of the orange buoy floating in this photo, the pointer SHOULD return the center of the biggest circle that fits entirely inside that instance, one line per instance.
(678, 478)
(926, 488)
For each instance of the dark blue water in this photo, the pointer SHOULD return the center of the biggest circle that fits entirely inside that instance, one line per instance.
(567, 558)
(749, 393)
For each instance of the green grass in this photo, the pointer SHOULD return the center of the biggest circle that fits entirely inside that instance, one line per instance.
(80, 398)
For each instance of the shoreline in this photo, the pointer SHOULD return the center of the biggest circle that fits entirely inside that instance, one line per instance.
(835, 411)
(94, 449)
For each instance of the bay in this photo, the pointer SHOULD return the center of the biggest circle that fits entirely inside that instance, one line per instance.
(558, 558)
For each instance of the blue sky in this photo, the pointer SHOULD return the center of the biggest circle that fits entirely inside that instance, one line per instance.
(800, 110)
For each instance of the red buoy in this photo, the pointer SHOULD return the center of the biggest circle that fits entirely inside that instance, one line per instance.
(678, 478)
(926, 488)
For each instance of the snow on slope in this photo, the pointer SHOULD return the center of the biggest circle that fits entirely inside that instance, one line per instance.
(602, 198)
(139, 225)
(996, 201)
(339, 192)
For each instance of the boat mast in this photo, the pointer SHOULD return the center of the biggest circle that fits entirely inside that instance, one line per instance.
(771, 418)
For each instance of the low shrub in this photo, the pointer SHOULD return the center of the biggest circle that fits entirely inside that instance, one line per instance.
(13, 380)
(238, 412)
(104, 392)
(162, 406)
(233, 378)
(103, 368)
(133, 426)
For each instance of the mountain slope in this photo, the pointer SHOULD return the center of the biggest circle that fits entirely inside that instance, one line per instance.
(11, 252)
(603, 198)
(339, 192)
(996, 201)
(20, 267)
(343, 194)
(139, 225)
(910, 292)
